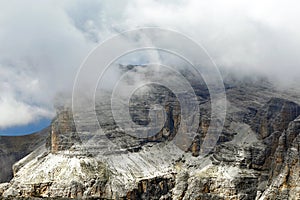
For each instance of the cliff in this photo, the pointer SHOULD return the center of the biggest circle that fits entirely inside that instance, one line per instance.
(256, 156)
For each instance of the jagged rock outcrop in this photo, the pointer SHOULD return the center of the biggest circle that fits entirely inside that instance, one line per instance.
(284, 177)
(214, 183)
(58, 175)
(63, 131)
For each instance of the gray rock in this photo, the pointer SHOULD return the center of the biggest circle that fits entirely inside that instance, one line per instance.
(256, 157)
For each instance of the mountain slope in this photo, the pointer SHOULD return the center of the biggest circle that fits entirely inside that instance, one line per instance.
(13, 148)
(256, 157)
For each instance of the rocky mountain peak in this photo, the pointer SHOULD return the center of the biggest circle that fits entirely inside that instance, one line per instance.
(63, 131)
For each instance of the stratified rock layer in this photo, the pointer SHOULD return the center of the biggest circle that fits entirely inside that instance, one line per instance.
(256, 156)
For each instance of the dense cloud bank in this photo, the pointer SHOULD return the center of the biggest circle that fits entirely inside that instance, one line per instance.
(42, 44)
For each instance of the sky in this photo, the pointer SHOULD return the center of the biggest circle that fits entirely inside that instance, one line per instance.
(43, 43)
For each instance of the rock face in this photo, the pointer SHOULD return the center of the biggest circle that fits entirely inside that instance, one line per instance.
(13, 149)
(63, 131)
(275, 116)
(256, 157)
(155, 188)
(59, 176)
(284, 177)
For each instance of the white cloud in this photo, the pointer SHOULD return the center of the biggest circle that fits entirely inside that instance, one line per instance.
(14, 113)
(247, 35)
(43, 43)
(39, 53)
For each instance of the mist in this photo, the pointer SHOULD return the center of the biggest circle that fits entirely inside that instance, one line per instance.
(43, 44)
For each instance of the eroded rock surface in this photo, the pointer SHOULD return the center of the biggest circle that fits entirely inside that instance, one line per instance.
(13, 148)
(256, 156)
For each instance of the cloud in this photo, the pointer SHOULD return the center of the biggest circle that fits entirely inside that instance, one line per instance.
(15, 113)
(39, 53)
(248, 36)
(44, 43)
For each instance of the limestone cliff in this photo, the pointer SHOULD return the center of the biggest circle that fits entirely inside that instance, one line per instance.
(256, 156)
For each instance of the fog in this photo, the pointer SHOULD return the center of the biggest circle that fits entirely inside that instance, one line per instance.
(43, 44)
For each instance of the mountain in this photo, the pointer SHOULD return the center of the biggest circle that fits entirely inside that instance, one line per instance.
(13, 148)
(256, 155)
